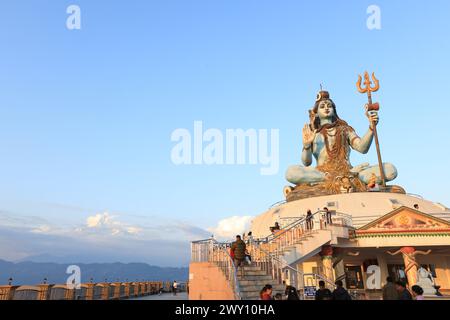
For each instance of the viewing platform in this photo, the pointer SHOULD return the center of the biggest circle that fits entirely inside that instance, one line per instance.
(141, 290)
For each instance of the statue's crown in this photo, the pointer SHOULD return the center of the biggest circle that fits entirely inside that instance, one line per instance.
(322, 95)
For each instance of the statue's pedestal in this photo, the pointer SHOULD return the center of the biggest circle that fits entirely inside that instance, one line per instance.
(305, 191)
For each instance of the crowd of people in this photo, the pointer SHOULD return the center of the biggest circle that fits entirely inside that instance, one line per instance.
(325, 218)
(391, 291)
(398, 291)
(290, 293)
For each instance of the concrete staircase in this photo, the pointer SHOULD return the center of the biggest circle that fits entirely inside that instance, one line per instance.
(311, 243)
(252, 279)
(307, 246)
(287, 249)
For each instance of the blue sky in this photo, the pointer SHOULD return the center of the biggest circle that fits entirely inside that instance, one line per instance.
(86, 115)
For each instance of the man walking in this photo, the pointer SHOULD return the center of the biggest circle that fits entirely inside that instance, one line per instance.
(239, 248)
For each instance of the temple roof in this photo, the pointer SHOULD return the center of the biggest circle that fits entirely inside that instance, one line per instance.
(405, 220)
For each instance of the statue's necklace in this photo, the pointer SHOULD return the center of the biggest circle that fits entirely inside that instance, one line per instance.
(336, 151)
(329, 132)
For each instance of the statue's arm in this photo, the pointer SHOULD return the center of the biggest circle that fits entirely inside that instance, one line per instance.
(363, 144)
(394, 253)
(308, 137)
(307, 156)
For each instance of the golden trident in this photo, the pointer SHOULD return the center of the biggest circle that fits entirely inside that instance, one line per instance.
(372, 107)
(368, 85)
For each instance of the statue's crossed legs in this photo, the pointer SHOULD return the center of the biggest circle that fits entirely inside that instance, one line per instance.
(298, 174)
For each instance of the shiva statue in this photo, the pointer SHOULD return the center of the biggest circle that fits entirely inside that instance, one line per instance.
(329, 139)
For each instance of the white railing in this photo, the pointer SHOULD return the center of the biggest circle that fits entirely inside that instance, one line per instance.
(210, 250)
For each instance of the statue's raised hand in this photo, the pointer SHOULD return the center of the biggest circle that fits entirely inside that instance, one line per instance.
(372, 116)
(308, 136)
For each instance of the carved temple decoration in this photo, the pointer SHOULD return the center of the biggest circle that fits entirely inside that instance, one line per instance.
(409, 258)
(405, 221)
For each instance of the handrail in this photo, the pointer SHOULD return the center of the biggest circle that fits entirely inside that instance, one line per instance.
(274, 236)
(300, 220)
(237, 289)
(276, 204)
(209, 254)
(326, 280)
(415, 195)
(285, 265)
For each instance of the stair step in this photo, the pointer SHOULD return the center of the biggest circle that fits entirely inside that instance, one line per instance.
(252, 273)
(255, 282)
(246, 277)
(251, 268)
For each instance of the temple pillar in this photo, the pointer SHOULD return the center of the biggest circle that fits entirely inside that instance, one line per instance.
(339, 270)
(409, 259)
(300, 278)
(327, 262)
(338, 265)
(384, 272)
(411, 264)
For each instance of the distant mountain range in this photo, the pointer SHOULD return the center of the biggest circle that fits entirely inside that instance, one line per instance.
(31, 273)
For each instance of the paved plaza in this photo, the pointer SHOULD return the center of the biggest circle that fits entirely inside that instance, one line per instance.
(165, 296)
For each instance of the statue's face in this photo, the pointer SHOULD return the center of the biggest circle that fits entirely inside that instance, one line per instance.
(325, 110)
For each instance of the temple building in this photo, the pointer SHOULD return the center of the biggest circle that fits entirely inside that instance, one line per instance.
(366, 229)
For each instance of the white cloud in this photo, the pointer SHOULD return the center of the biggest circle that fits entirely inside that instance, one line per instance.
(104, 222)
(98, 220)
(230, 227)
(115, 237)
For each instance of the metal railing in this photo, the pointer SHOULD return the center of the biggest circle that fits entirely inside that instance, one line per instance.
(267, 252)
(300, 222)
(303, 228)
(210, 250)
(277, 204)
(281, 271)
(86, 291)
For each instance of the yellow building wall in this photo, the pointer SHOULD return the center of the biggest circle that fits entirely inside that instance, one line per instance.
(442, 270)
(307, 267)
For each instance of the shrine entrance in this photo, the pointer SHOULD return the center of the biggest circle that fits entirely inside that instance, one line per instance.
(354, 277)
